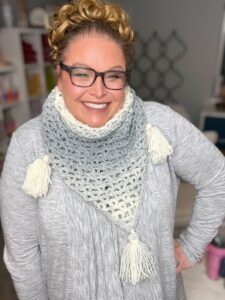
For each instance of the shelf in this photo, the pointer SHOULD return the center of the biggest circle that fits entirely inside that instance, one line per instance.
(30, 76)
(32, 66)
(9, 104)
(39, 65)
(7, 69)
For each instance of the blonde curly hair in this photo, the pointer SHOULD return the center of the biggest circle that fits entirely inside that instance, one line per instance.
(83, 16)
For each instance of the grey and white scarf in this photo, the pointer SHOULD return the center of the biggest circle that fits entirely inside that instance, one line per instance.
(106, 166)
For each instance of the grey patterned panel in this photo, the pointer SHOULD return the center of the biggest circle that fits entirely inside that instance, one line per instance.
(154, 73)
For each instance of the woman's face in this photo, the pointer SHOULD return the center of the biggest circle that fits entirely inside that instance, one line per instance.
(93, 105)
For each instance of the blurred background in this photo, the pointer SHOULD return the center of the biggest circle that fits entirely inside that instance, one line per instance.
(180, 61)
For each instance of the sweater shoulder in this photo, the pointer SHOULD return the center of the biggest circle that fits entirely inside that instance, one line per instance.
(29, 138)
(31, 127)
(156, 112)
(162, 117)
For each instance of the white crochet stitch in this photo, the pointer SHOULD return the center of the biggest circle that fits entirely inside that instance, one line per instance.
(158, 146)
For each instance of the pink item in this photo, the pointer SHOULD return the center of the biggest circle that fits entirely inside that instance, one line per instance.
(214, 257)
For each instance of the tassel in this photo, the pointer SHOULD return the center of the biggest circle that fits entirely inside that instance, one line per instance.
(137, 262)
(158, 146)
(37, 179)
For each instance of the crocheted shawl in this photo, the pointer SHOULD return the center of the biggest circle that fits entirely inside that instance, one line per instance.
(106, 166)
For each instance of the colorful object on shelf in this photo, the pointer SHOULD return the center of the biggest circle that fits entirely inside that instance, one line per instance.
(50, 78)
(29, 54)
(22, 20)
(34, 87)
(45, 47)
(37, 16)
(8, 91)
(23, 76)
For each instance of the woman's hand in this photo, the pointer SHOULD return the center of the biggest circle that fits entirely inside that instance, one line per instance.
(181, 258)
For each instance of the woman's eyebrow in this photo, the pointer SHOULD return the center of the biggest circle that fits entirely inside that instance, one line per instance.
(82, 65)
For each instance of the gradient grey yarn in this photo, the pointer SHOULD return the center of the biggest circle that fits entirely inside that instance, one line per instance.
(107, 167)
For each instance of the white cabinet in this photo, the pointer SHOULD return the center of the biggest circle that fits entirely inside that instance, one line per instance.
(27, 49)
(30, 76)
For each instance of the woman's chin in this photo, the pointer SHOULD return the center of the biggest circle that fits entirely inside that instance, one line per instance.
(96, 123)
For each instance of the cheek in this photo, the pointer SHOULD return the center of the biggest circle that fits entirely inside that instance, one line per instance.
(65, 87)
(64, 84)
(120, 97)
(71, 93)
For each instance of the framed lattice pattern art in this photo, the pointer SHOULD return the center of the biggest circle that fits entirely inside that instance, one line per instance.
(155, 74)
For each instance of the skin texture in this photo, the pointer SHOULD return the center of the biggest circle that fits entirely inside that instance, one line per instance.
(181, 259)
(101, 53)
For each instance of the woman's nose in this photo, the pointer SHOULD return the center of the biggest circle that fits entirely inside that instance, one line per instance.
(98, 88)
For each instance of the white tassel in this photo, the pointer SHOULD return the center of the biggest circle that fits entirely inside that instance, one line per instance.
(158, 146)
(137, 262)
(36, 183)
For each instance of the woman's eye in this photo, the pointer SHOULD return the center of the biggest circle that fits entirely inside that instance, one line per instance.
(114, 76)
(80, 74)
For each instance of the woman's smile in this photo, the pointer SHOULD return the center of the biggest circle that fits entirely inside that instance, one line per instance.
(101, 107)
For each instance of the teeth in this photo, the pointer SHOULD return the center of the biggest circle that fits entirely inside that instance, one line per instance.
(96, 105)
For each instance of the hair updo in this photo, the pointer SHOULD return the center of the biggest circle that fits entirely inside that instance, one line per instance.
(85, 16)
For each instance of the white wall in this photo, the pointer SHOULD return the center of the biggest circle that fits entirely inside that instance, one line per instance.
(198, 22)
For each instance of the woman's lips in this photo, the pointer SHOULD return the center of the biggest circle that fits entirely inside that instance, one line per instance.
(96, 106)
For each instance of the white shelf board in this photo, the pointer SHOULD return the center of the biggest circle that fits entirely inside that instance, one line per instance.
(32, 66)
(7, 105)
(7, 69)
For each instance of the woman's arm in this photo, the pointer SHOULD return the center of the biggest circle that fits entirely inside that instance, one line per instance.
(199, 162)
(20, 228)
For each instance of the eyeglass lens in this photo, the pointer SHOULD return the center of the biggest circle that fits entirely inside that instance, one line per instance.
(85, 77)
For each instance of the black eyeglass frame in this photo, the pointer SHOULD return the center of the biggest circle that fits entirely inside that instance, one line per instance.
(69, 70)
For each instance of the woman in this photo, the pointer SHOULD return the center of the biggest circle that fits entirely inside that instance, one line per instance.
(89, 187)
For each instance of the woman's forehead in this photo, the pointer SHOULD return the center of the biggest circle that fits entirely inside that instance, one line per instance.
(95, 50)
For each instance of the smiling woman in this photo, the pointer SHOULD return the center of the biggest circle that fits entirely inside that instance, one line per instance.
(93, 98)
(88, 189)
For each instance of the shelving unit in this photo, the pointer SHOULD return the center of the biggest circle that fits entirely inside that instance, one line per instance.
(8, 88)
(30, 74)
(27, 49)
(9, 99)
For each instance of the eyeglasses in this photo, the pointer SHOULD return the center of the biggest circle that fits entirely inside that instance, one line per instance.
(85, 77)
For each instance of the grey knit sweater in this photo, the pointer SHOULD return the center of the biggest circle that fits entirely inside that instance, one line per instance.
(61, 248)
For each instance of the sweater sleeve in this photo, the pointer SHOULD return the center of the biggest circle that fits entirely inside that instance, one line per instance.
(199, 162)
(19, 223)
